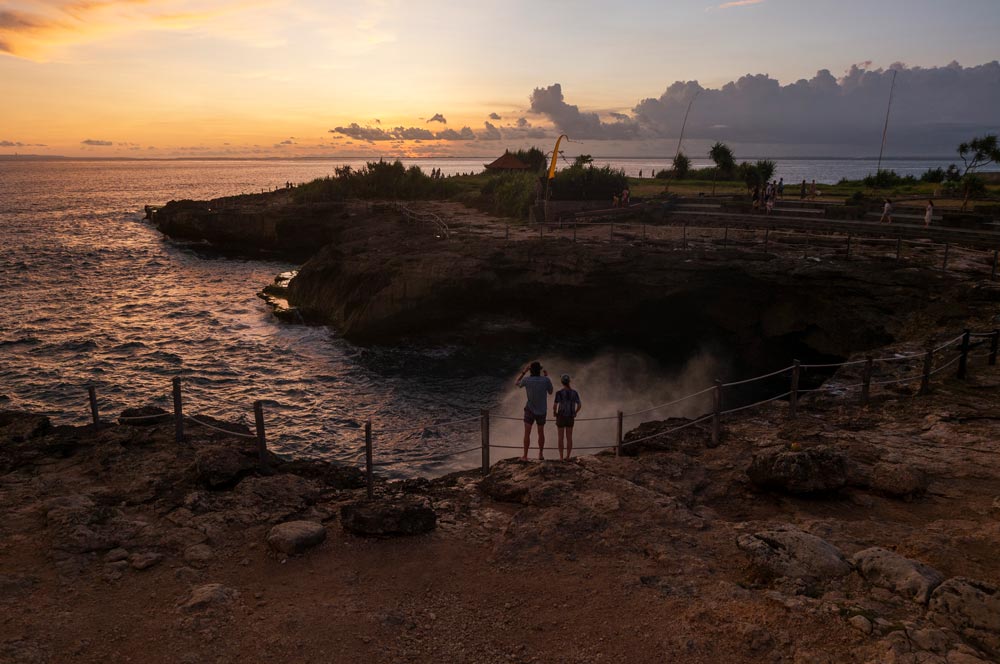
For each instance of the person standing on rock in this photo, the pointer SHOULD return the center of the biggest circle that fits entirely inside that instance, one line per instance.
(565, 409)
(538, 387)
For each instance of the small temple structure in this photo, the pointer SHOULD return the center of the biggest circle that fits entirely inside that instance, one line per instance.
(507, 162)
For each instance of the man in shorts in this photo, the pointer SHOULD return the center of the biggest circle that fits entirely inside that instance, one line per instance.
(538, 387)
(565, 408)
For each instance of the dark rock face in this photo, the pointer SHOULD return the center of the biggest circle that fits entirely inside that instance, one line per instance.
(277, 227)
(386, 518)
(819, 469)
(222, 467)
(970, 607)
(143, 416)
(23, 440)
(529, 483)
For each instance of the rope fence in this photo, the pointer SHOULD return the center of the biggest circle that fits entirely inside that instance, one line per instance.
(645, 232)
(985, 347)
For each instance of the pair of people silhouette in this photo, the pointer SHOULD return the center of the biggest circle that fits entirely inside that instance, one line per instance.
(566, 406)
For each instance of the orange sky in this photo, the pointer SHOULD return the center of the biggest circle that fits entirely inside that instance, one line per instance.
(273, 77)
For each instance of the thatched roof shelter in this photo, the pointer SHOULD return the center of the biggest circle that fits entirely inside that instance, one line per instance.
(507, 162)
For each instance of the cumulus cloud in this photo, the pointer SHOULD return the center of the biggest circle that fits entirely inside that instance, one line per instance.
(437, 117)
(376, 134)
(490, 132)
(621, 117)
(495, 116)
(96, 143)
(569, 119)
(933, 108)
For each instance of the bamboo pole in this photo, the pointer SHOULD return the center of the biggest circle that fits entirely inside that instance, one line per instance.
(178, 412)
(258, 416)
(793, 401)
(866, 380)
(94, 414)
(485, 437)
(369, 475)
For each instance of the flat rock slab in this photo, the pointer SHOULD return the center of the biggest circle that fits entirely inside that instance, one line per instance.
(207, 597)
(294, 537)
(970, 607)
(812, 470)
(542, 484)
(886, 569)
(388, 517)
(898, 480)
(789, 552)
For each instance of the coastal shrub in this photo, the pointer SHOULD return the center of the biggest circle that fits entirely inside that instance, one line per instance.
(757, 174)
(588, 184)
(378, 179)
(510, 194)
(725, 160)
(532, 157)
(886, 179)
(682, 166)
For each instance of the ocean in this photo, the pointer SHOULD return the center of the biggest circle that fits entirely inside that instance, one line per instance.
(95, 295)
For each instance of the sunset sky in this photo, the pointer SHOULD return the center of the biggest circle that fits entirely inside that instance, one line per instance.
(166, 78)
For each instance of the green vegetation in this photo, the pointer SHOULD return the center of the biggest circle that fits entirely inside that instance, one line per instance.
(587, 184)
(681, 166)
(378, 179)
(509, 194)
(532, 157)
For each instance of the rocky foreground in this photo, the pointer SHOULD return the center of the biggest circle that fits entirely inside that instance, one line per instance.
(849, 534)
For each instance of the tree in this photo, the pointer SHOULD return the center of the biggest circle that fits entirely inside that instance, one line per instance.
(725, 161)
(583, 161)
(976, 154)
(765, 170)
(681, 165)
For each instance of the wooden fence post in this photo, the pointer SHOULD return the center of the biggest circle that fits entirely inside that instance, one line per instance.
(369, 477)
(793, 397)
(258, 417)
(725, 237)
(506, 235)
(767, 238)
(944, 263)
(485, 432)
(685, 245)
(541, 228)
(925, 379)
(993, 272)
(994, 343)
(899, 247)
(866, 380)
(178, 412)
(94, 414)
(963, 361)
(618, 447)
(848, 246)
(574, 230)
(717, 413)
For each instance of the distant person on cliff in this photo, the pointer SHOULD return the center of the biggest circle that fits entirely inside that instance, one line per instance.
(538, 387)
(886, 212)
(928, 213)
(565, 408)
(626, 194)
(781, 188)
(755, 199)
(812, 191)
(802, 191)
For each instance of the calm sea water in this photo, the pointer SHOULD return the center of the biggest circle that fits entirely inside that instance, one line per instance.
(95, 295)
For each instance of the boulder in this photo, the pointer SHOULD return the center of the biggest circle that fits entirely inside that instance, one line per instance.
(971, 608)
(198, 554)
(222, 467)
(144, 416)
(908, 578)
(898, 480)
(787, 551)
(811, 470)
(387, 517)
(209, 596)
(294, 537)
(143, 561)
